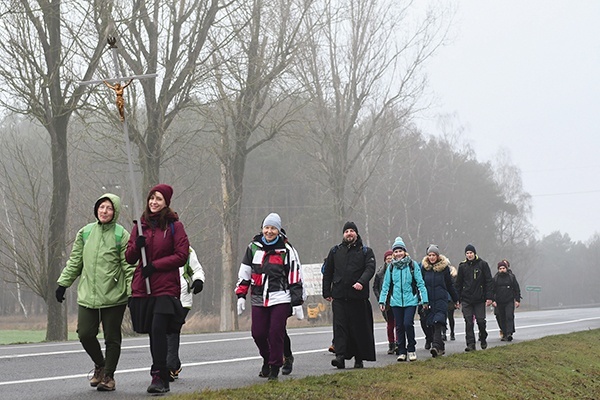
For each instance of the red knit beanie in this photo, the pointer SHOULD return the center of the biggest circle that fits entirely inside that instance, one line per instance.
(165, 190)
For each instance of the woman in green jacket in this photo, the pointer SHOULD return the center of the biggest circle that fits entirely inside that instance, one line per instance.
(98, 259)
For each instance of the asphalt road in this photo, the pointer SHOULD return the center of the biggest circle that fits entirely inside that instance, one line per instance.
(230, 359)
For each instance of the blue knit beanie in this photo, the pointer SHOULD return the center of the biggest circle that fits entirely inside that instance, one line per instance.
(272, 219)
(399, 244)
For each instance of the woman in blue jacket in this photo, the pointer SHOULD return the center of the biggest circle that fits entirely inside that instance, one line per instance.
(405, 282)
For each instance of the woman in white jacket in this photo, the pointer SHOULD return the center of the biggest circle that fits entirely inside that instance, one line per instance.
(192, 282)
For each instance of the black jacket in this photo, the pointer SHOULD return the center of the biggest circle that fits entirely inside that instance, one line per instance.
(346, 265)
(506, 288)
(474, 281)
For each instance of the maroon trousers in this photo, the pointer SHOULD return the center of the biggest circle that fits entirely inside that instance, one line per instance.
(269, 330)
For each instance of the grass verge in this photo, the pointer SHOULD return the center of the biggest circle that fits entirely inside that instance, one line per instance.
(18, 336)
(554, 367)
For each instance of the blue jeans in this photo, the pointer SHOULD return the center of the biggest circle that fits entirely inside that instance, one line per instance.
(405, 328)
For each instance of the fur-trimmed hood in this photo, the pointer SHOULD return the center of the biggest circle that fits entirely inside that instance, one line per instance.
(439, 266)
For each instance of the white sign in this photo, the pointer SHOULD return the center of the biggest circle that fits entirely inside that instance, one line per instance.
(312, 279)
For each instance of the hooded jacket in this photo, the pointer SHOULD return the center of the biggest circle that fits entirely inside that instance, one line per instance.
(346, 265)
(105, 276)
(438, 282)
(400, 279)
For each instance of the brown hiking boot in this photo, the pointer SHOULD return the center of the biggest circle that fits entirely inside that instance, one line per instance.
(97, 377)
(107, 384)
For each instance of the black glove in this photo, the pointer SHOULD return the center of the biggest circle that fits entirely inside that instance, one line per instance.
(140, 241)
(60, 293)
(148, 270)
(198, 285)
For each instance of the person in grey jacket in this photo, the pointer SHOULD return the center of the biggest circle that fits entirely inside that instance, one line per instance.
(474, 288)
(98, 259)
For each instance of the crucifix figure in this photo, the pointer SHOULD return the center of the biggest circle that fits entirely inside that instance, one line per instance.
(119, 88)
(119, 92)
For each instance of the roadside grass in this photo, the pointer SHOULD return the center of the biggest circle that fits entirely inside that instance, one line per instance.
(554, 367)
(18, 336)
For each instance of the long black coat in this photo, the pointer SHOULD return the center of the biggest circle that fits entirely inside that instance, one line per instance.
(346, 265)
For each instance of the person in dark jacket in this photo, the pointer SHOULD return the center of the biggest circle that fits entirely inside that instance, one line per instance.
(388, 314)
(346, 276)
(506, 297)
(271, 273)
(158, 311)
(438, 281)
(98, 259)
(474, 288)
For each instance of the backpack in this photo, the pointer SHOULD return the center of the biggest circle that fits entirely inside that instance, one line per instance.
(119, 230)
(337, 246)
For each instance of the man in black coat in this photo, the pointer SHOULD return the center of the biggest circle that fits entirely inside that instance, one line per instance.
(474, 288)
(348, 269)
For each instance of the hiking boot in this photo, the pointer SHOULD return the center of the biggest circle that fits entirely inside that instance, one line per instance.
(331, 349)
(401, 357)
(158, 385)
(444, 337)
(509, 338)
(427, 345)
(107, 384)
(274, 373)
(503, 339)
(470, 347)
(391, 348)
(412, 356)
(358, 364)
(265, 370)
(434, 352)
(339, 362)
(483, 344)
(501, 334)
(452, 336)
(97, 377)
(174, 374)
(288, 363)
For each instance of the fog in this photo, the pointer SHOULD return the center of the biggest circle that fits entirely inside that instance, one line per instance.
(524, 75)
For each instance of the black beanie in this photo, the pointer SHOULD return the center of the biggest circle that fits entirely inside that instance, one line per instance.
(470, 247)
(350, 225)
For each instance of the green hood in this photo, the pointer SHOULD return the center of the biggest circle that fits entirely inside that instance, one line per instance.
(116, 202)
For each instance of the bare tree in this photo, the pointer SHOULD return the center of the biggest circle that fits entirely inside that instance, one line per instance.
(168, 38)
(39, 62)
(363, 72)
(252, 103)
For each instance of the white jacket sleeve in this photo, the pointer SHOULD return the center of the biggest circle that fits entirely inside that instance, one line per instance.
(196, 267)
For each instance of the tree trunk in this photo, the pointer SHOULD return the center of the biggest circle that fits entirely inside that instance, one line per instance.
(57, 320)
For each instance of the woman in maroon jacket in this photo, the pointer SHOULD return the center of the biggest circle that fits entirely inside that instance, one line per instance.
(167, 248)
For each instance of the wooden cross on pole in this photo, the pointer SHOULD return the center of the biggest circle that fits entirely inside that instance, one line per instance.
(119, 88)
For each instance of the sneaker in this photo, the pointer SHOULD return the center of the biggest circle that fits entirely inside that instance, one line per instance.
(401, 357)
(483, 344)
(391, 348)
(107, 384)
(288, 363)
(470, 347)
(412, 356)
(174, 374)
(265, 370)
(339, 362)
(358, 364)
(158, 385)
(97, 377)
(274, 373)
(427, 345)
(434, 352)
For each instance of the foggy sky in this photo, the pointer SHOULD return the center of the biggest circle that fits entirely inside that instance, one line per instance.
(526, 75)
